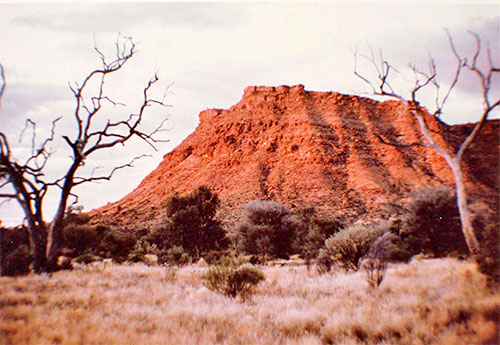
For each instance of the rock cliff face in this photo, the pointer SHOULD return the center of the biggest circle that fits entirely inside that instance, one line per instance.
(338, 153)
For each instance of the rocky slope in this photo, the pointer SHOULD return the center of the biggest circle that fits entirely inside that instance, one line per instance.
(338, 153)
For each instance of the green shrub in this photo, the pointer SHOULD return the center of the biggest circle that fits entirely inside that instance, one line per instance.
(216, 278)
(243, 281)
(115, 244)
(269, 229)
(191, 224)
(431, 223)
(79, 237)
(231, 281)
(318, 230)
(348, 246)
(163, 236)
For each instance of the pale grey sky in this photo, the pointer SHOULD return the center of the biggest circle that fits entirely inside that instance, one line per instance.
(209, 52)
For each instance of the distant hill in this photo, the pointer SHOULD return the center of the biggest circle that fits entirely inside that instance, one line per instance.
(334, 152)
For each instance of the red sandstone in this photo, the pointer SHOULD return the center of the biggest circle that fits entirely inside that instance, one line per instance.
(338, 153)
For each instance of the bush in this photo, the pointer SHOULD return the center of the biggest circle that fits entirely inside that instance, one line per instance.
(254, 239)
(242, 281)
(115, 244)
(175, 255)
(318, 230)
(225, 258)
(348, 246)
(324, 262)
(231, 281)
(268, 229)
(375, 262)
(87, 259)
(79, 238)
(14, 243)
(191, 224)
(17, 262)
(489, 258)
(163, 236)
(432, 223)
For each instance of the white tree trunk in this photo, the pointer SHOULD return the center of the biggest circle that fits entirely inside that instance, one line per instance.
(463, 209)
(454, 162)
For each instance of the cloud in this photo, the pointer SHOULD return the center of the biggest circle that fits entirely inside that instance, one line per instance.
(21, 99)
(89, 17)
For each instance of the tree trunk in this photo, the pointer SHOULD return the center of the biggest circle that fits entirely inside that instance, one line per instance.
(55, 230)
(463, 209)
(454, 162)
(38, 244)
(54, 242)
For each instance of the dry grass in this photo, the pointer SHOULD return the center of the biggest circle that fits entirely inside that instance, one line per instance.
(426, 302)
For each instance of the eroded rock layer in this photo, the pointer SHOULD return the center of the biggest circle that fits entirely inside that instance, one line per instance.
(336, 152)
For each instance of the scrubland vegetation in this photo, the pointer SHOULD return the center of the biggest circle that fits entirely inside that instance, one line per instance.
(276, 277)
(437, 301)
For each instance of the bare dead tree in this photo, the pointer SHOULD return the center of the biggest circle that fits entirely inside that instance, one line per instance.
(27, 180)
(381, 85)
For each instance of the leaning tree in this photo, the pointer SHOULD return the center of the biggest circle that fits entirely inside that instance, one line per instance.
(382, 84)
(94, 130)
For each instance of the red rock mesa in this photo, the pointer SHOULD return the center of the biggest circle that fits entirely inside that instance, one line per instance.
(338, 153)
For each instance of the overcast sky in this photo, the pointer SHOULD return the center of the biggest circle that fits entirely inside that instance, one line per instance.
(207, 53)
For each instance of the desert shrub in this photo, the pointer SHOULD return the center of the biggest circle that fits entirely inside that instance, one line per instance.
(243, 281)
(191, 224)
(14, 242)
(17, 262)
(136, 257)
(431, 223)
(142, 248)
(348, 246)
(485, 223)
(232, 281)
(324, 262)
(254, 239)
(78, 238)
(216, 277)
(115, 244)
(268, 228)
(163, 236)
(377, 258)
(87, 258)
(174, 256)
(73, 217)
(489, 258)
(224, 258)
(318, 229)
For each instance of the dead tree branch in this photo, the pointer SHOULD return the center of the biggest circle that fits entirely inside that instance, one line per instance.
(381, 86)
(95, 130)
